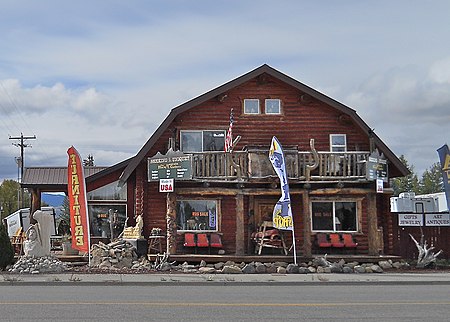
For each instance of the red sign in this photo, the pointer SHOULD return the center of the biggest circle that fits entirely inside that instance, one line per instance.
(77, 201)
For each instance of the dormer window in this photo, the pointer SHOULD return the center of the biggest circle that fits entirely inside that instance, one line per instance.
(338, 143)
(273, 106)
(251, 106)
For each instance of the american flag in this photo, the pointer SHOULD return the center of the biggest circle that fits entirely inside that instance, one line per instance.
(229, 138)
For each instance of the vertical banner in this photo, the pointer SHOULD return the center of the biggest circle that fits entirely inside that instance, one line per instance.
(282, 213)
(79, 220)
(444, 157)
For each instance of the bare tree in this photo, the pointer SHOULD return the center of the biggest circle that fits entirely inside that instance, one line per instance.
(426, 256)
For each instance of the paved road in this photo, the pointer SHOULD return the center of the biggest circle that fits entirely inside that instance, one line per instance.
(224, 302)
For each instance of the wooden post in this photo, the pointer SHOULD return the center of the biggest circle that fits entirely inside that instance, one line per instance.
(240, 241)
(35, 203)
(372, 224)
(171, 235)
(307, 248)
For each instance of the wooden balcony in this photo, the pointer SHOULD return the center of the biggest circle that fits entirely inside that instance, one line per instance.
(255, 166)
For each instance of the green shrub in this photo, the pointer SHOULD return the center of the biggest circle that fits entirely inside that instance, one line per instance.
(6, 249)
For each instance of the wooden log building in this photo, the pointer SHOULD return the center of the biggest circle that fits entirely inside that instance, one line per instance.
(328, 149)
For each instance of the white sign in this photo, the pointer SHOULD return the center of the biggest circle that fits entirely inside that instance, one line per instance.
(379, 185)
(165, 185)
(410, 219)
(437, 219)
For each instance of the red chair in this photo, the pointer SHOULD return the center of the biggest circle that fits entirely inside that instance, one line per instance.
(322, 240)
(189, 240)
(216, 241)
(336, 241)
(202, 240)
(348, 241)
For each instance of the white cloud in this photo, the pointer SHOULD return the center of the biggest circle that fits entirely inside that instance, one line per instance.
(103, 79)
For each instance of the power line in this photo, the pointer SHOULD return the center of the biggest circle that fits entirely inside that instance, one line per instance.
(22, 145)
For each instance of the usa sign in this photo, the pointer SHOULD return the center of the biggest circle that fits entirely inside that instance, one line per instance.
(165, 185)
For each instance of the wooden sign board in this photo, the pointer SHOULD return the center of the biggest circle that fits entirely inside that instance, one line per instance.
(173, 165)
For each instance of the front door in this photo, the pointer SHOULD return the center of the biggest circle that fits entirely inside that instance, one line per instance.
(263, 211)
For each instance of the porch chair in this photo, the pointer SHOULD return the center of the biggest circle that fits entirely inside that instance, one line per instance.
(269, 237)
(336, 240)
(348, 241)
(189, 240)
(202, 240)
(215, 241)
(17, 241)
(322, 241)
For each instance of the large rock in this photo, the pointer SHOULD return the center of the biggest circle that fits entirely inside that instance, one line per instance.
(292, 269)
(206, 270)
(231, 269)
(249, 269)
(385, 264)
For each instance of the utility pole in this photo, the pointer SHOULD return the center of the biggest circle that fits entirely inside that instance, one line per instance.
(22, 145)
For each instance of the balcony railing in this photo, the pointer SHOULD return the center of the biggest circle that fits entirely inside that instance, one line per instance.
(255, 165)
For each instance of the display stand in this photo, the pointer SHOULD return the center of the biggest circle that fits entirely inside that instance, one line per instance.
(155, 244)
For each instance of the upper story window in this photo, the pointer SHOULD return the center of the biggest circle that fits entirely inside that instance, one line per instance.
(110, 191)
(338, 143)
(200, 141)
(251, 106)
(273, 106)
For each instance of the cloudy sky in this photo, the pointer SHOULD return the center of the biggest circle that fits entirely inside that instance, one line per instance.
(102, 75)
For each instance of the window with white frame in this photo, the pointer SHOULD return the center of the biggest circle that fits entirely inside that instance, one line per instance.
(195, 215)
(200, 141)
(273, 106)
(251, 106)
(334, 216)
(338, 143)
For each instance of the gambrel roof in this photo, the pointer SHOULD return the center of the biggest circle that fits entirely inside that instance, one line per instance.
(264, 69)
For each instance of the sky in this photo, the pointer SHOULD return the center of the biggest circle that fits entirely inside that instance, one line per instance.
(101, 75)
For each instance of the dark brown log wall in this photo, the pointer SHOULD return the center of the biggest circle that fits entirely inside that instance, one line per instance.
(298, 123)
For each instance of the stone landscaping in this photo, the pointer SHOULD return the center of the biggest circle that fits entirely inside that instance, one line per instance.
(120, 256)
(36, 265)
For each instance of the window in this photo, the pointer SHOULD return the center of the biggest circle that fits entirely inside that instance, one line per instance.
(338, 143)
(107, 210)
(193, 215)
(251, 106)
(106, 218)
(200, 141)
(334, 216)
(273, 106)
(111, 191)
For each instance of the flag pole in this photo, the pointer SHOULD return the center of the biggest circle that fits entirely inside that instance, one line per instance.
(293, 245)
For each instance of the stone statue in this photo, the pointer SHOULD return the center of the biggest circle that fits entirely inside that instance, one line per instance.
(37, 243)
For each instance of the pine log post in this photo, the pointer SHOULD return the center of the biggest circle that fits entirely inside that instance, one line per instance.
(426, 257)
(35, 203)
(372, 225)
(171, 224)
(307, 246)
(240, 240)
